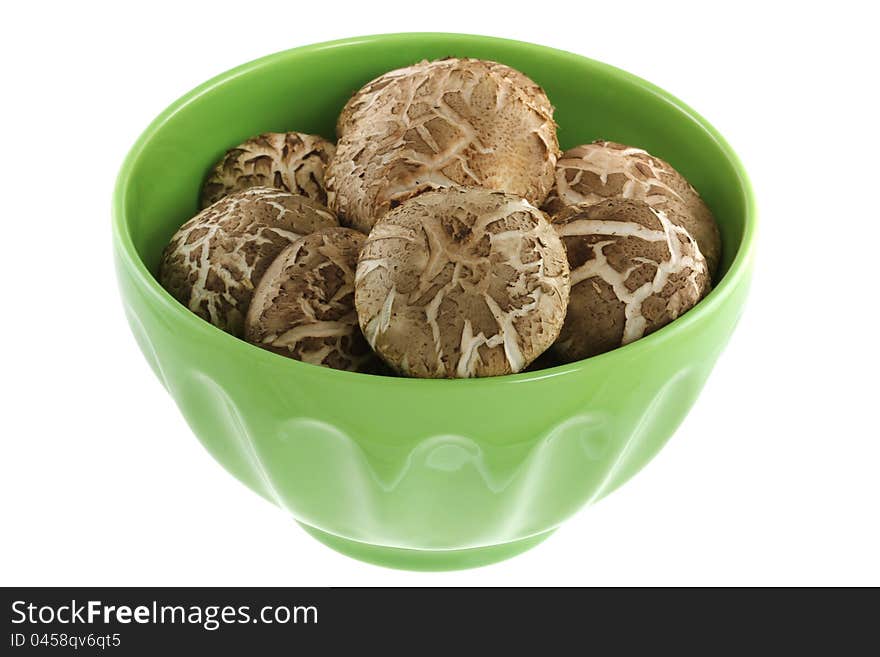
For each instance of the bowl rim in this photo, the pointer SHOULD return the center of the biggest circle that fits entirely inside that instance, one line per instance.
(736, 274)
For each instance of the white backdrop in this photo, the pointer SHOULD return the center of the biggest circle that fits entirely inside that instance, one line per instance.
(772, 479)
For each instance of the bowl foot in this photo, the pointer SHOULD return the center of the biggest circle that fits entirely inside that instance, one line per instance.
(407, 559)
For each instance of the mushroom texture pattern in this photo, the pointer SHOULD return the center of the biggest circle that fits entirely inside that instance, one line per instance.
(439, 124)
(303, 306)
(215, 259)
(291, 161)
(632, 271)
(462, 283)
(605, 169)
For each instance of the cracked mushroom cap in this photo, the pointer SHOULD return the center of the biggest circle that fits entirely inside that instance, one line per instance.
(439, 124)
(303, 306)
(216, 258)
(633, 271)
(461, 283)
(606, 169)
(370, 91)
(291, 161)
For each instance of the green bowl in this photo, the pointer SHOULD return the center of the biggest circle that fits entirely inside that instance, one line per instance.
(422, 474)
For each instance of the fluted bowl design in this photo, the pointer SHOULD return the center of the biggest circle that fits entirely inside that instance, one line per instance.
(422, 473)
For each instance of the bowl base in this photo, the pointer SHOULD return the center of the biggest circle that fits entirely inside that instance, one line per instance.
(436, 560)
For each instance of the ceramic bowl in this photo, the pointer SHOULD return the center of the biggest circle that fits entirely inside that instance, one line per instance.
(423, 474)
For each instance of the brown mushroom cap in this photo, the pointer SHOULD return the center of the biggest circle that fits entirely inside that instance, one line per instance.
(633, 271)
(291, 161)
(606, 169)
(216, 258)
(369, 92)
(460, 283)
(303, 306)
(439, 124)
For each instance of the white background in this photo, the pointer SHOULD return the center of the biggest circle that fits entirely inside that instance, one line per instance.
(772, 479)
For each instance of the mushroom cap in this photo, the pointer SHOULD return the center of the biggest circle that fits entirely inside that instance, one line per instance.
(303, 307)
(291, 161)
(633, 270)
(461, 282)
(438, 124)
(605, 169)
(214, 260)
(367, 95)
